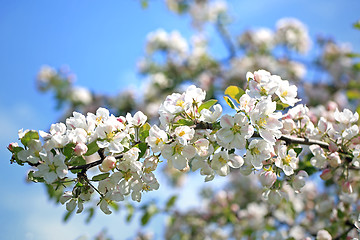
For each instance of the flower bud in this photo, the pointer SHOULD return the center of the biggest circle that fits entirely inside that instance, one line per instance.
(12, 146)
(80, 149)
(326, 174)
(333, 147)
(275, 197)
(346, 187)
(268, 178)
(334, 159)
(108, 164)
(323, 235)
(299, 180)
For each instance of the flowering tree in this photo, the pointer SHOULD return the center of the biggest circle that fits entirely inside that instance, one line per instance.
(268, 144)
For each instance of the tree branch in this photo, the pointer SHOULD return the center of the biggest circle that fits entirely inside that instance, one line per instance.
(288, 139)
(86, 167)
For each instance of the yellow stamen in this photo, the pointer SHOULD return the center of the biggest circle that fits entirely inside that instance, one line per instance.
(110, 135)
(222, 160)
(146, 187)
(127, 176)
(255, 151)
(262, 122)
(284, 93)
(236, 128)
(182, 133)
(178, 149)
(99, 120)
(158, 140)
(287, 159)
(180, 103)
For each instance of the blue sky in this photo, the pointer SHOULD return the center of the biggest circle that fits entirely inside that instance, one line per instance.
(101, 42)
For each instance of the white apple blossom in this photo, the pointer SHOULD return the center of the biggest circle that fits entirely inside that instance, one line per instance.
(52, 167)
(319, 159)
(184, 134)
(267, 178)
(299, 180)
(137, 120)
(107, 164)
(80, 149)
(178, 155)
(286, 160)
(234, 131)
(208, 116)
(266, 120)
(157, 138)
(258, 151)
(221, 162)
(286, 92)
(32, 154)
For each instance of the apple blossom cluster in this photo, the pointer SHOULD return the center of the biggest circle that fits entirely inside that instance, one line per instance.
(192, 134)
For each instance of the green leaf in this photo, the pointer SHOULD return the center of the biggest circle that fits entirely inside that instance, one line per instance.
(100, 177)
(298, 151)
(91, 214)
(144, 131)
(143, 147)
(150, 211)
(77, 161)
(207, 104)
(130, 212)
(281, 106)
(234, 92)
(353, 94)
(229, 102)
(92, 148)
(171, 202)
(30, 135)
(144, 4)
(67, 216)
(69, 150)
(185, 122)
(357, 25)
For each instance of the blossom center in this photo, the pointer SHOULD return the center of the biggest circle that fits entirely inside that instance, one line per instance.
(236, 128)
(146, 187)
(287, 159)
(180, 103)
(178, 149)
(99, 120)
(222, 160)
(262, 122)
(127, 176)
(158, 140)
(284, 93)
(182, 133)
(110, 135)
(255, 151)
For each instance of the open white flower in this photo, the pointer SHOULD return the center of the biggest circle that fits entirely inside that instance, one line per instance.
(178, 155)
(52, 167)
(286, 92)
(184, 134)
(234, 131)
(286, 160)
(221, 162)
(137, 120)
(319, 159)
(156, 139)
(266, 120)
(258, 151)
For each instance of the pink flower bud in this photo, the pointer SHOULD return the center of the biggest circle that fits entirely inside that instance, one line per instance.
(121, 119)
(333, 147)
(334, 159)
(80, 149)
(299, 180)
(108, 164)
(346, 187)
(12, 146)
(332, 106)
(326, 174)
(267, 178)
(323, 235)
